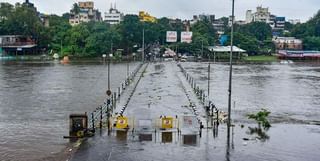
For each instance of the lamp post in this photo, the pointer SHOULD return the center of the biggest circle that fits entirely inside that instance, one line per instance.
(110, 56)
(128, 68)
(202, 48)
(143, 44)
(230, 72)
(109, 94)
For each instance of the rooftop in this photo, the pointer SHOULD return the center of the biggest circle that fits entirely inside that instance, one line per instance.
(225, 49)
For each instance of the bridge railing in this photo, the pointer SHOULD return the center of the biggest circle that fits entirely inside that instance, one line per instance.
(101, 114)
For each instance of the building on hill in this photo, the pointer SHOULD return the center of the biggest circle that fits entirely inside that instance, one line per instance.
(146, 17)
(262, 14)
(219, 26)
(86, 13)
(86, 5)
(114, 16)
(203, 17)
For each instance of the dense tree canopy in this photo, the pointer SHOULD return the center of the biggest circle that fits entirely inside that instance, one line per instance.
(309, 32)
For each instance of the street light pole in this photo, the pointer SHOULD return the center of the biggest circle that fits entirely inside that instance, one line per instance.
(143, 44)
(110, 55)
(202, 48)
(128, 67)
(230, 72)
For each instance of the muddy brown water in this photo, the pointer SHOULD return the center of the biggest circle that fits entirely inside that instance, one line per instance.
(290, 91)
(37, 98)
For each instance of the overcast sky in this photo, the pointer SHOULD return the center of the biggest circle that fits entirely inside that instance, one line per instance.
(184, 9)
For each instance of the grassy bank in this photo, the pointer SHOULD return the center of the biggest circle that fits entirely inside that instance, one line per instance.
(261, 58)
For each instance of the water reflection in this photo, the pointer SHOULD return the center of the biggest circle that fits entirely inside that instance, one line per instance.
(166, 137)
(122, 135)
(287, 90)
(190, 139)
(261, 133)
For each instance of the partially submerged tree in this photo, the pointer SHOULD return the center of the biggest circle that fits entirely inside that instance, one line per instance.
(261, 118)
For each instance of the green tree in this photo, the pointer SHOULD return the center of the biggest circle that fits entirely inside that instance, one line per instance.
(58, 29)
(311, 43)
(260, 30)
(75, 8)
(76, 40)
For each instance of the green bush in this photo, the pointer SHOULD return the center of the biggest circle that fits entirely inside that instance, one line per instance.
(261, 118)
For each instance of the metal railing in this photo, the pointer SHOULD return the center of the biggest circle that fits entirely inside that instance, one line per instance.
(103, 113)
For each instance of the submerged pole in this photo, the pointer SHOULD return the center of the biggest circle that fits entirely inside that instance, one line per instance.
(230, 72)
(209, 78)
(143, 44)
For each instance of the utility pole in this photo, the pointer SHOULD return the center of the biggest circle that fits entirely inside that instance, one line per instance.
(202, 49)
(109, 64)
(128, 67)
(61, 46)
(209, 78)
(143, 44)
(230, 72)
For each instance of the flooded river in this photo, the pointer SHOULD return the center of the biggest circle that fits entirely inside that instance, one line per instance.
(290, 91)
(37, 97)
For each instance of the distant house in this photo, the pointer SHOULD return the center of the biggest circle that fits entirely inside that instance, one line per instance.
(86, 13)
(113, 16)
(287, 43)
(17, 44)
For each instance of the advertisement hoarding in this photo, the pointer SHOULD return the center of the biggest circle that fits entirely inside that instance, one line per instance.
(186, 37)
(171, 36)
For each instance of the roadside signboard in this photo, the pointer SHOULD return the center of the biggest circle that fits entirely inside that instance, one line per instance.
(122, 123)
(167, 123)
(171, 36)
(186, 37)
(189, 122)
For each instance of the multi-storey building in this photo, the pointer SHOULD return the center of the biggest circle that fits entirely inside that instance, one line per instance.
(263, 15)
(203, 17)
(249, 16)
(86, 13)
(219, 26)
(113, 16)
(280, 23)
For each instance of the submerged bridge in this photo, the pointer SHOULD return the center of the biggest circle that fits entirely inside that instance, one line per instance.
(159, 103)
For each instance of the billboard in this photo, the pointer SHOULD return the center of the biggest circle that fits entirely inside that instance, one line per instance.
(171, 36)
(186, 37)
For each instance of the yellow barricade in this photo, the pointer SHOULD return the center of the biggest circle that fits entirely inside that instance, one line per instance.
(122, 122)
(167, 123)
